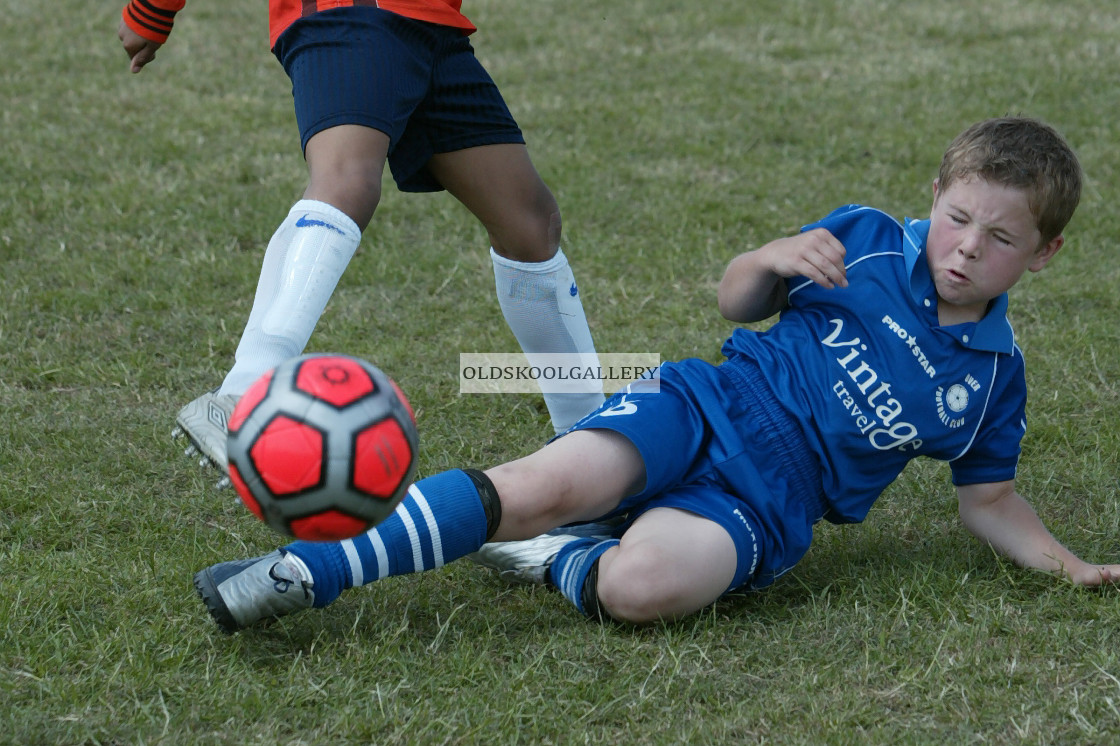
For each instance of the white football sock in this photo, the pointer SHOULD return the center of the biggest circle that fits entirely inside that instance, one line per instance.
(302, 265)
(541, 304)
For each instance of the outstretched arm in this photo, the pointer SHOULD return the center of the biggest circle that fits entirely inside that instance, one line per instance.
(997, 514)
(144, 27)
(753, 287)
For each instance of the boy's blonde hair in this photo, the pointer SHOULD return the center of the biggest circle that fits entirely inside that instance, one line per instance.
(1021, 153)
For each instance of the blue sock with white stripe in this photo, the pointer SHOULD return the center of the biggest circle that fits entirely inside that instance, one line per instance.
(572, 566)
(440, 519)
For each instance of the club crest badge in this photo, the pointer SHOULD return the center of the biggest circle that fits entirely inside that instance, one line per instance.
(951, 402)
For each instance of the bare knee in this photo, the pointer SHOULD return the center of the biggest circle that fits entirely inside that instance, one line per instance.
(353, 187)
(638, 586)
(530, 234)
(346, 164)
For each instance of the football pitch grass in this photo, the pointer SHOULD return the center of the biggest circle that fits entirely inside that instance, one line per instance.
(133, 214)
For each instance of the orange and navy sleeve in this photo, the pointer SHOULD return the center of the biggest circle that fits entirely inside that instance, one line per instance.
(152, 19)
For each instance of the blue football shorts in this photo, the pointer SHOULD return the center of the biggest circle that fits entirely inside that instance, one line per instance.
(716, 443)
(419, 83)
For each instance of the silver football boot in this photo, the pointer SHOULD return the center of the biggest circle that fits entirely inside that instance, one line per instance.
(203, 423)
(523, 562)
(527, 561)
(240, 593)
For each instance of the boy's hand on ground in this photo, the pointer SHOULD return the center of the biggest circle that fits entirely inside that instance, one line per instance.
(1096, 575)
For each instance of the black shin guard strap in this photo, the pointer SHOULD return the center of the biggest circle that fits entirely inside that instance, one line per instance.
(589, 596)
(491, 503)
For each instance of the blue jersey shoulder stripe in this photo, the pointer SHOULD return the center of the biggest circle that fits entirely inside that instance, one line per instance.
(806, 283)
(984, 411)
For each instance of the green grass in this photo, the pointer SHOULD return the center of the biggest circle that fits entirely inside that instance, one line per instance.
(133, 214)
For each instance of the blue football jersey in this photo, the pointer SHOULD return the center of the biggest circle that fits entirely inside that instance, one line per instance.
(874, 381)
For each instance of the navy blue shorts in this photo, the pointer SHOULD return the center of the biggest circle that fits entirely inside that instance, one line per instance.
(417, 82)
(716, 443)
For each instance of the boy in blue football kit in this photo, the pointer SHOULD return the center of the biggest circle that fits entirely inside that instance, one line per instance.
(892, 343)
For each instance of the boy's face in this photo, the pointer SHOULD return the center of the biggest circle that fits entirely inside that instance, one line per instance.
(982, 238)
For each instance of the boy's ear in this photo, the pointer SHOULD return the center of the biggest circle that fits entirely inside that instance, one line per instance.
(1043, 256)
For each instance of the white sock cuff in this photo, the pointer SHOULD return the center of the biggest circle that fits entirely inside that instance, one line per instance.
(338, 218)
(558, 261)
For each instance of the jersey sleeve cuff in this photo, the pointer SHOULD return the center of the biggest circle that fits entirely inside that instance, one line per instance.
(152, 19)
